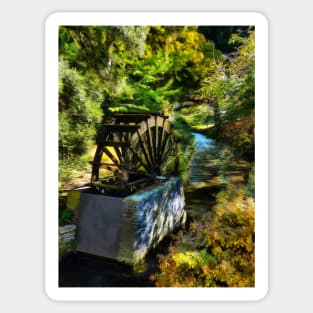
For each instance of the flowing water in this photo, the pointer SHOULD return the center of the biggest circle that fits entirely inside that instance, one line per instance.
(205, 176)
(207, 173)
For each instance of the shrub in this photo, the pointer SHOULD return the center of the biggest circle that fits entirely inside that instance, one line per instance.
(65, 217)
(217, 251)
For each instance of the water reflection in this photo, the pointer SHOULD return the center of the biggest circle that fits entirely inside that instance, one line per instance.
(212, 167)
(202, 142)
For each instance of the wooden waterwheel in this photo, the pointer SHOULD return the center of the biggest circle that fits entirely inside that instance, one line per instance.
(133, 150)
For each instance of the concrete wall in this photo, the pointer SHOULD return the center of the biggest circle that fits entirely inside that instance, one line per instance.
(150, 215)
(125, 229)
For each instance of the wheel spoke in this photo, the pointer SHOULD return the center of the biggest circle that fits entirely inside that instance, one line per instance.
(155, 137)
(144, 150)
(137, 146)
(149, 140)
(110, 155)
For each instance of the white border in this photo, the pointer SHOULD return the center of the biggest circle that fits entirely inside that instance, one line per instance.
(51, 156)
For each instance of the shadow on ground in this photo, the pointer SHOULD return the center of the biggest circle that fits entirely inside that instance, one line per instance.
(82, 270)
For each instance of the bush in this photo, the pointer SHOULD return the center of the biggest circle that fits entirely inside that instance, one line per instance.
(230, 88)
(217, 251)
(185, 146)
(65, 217)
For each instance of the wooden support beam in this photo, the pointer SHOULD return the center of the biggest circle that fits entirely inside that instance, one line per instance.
(108, 186)
(120, 166)
(105, 164)
(138, 181)
(116, 144)
(97, 158)
(121, 128)
(131, 118)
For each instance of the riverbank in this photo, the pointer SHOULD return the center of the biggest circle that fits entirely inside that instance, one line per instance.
(211, 169)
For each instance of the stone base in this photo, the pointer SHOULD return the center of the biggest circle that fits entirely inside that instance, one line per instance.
(66, 239)
(124, 229)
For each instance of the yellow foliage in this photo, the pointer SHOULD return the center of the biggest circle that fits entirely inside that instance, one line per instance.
(215, 252)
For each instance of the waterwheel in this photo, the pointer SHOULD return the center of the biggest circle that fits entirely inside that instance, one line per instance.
(135, 149)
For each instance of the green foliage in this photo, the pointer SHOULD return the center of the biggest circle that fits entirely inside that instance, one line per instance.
(72, 168)
(142, 68)
(185, 146)
(198, 117)
(229, 86)
(73, 244)
(174, 62)
(65, 217)
(217, 251)
(220, 36)
(150, 85)
(251, 183)
(78, 113)
(92, 63)
(193, 259)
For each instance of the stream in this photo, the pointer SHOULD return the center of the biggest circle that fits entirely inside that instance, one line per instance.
(206, 178)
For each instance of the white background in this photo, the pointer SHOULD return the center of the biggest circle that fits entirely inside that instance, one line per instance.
(51, 151)
(22, 156)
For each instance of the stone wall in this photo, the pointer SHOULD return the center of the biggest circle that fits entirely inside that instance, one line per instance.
(67, 240)
(148, 216)
(125, 229)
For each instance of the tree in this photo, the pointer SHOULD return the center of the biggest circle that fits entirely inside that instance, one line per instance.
(92, 63)
(216, 251)
(173, 64)
(230, 86)
(220, 35)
